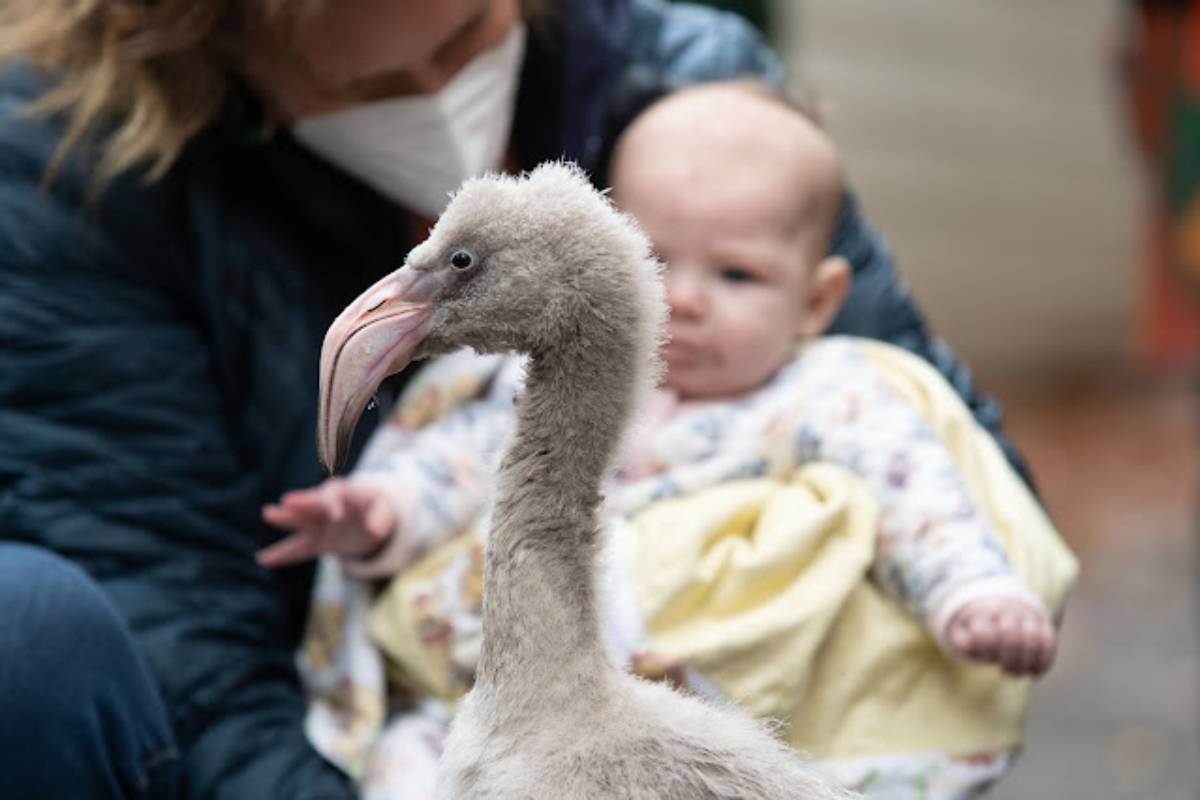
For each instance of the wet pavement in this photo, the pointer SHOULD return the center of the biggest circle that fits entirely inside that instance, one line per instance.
(1118, 715)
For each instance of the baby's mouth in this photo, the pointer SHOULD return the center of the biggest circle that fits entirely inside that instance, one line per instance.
(683, 353)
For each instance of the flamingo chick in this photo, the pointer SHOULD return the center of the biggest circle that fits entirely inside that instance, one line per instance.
(545, 265)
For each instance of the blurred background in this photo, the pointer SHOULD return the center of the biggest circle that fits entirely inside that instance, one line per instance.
(1032, 165)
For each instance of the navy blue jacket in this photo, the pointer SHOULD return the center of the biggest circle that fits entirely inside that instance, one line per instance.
(158, 365)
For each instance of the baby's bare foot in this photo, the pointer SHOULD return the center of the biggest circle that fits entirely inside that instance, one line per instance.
(1005, 631)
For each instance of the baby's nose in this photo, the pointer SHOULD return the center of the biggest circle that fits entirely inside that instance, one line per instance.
(685, 297)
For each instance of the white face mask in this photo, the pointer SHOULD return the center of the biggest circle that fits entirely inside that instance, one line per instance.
(417, 150)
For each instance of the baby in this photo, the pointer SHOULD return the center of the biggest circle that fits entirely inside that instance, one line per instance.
(739, 193)
(743, 216)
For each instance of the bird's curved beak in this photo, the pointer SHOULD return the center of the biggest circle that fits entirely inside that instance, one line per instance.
(374, 337)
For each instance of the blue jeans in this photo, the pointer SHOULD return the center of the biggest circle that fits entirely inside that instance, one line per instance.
(80, 716)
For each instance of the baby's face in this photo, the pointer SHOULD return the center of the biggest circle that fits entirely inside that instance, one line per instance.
(737, 270)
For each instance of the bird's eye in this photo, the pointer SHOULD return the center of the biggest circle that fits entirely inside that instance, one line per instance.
(461, 259)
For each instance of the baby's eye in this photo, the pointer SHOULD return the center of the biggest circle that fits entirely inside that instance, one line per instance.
(736, 275)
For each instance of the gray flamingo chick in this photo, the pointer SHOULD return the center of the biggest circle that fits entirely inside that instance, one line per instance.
(544, 265)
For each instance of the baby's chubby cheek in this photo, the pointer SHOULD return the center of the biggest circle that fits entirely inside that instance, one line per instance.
(750, 367)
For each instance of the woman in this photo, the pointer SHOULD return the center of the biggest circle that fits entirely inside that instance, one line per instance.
(222, 178)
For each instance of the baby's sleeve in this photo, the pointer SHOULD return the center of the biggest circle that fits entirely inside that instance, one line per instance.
(936, 551)
(440, 474)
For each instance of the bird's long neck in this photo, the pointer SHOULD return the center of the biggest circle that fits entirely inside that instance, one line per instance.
(539, 611)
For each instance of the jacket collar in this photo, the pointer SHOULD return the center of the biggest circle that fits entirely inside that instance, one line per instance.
(575, 57)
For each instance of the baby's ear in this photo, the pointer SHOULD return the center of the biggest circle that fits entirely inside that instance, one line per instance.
(827, 289)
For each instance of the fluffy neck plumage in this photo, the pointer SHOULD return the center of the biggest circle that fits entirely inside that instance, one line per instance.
(539, 611)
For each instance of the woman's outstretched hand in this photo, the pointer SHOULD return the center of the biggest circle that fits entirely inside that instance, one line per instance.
(339, 517)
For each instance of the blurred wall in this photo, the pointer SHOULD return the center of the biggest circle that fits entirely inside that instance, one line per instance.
(986, 141)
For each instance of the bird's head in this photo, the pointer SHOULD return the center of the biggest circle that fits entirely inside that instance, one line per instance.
(513, 264)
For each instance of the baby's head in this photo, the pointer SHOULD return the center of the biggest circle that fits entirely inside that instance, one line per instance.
(739, 192)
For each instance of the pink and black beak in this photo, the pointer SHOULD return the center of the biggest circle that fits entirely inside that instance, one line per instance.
(375, 336)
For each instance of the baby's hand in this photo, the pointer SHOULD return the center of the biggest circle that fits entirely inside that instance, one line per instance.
(1005, 631)
(339, 517)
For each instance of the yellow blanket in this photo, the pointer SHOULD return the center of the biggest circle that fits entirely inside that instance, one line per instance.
(763, 586)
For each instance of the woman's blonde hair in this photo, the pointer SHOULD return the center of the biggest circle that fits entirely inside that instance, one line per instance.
(141, 77)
